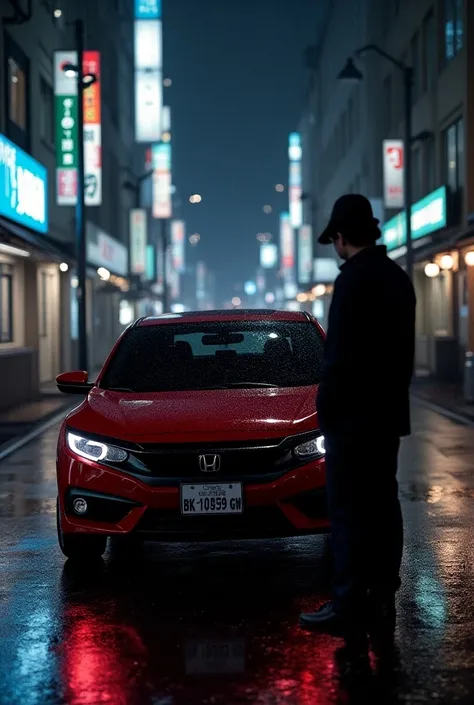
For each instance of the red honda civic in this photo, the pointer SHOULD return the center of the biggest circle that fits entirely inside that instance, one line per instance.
(200, 427)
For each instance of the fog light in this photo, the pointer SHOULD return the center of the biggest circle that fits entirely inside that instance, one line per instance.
(80, 506)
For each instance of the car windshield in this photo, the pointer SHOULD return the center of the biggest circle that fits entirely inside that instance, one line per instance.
(216, 355)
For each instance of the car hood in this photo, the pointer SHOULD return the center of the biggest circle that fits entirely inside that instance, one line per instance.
(194, 416)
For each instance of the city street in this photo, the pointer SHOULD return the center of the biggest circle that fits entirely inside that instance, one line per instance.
(175, 624)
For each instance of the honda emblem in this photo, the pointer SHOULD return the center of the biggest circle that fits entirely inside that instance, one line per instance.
(209, 463)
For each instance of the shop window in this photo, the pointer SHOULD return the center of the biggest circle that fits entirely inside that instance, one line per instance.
(417, 174)
(430, 165)
(415, 64)
(454, 155)
(46, 112)
(429, 52)
(453, 28)
(6, 303)
(17, 80)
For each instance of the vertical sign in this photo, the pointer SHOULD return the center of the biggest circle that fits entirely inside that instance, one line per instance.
(295, 180)
(268, 255)
(65, 97)
(150, 263)
(177, 245)
(148, 70)
(161, 156)
(393, 171)
(305, 254)
(92, 131)
(200, 281)
(287, 254)
(138, 241)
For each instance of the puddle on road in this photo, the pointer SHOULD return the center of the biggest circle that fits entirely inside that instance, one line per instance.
(433, 494)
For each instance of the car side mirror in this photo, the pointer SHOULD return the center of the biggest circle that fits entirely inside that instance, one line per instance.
(74, 382)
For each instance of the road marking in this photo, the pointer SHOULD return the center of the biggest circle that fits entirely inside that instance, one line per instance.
(452, 415)
(22, 441)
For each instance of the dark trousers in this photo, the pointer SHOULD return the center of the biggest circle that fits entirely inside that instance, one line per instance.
(366, 518)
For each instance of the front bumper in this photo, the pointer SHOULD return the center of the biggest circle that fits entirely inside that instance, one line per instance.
(291, 505)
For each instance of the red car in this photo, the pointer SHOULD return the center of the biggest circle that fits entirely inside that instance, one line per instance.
(200, 426)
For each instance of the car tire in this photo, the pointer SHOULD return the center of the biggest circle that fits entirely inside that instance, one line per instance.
(80, 547)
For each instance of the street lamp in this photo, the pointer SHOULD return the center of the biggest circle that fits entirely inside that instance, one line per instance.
(83, 82)
(350, 73)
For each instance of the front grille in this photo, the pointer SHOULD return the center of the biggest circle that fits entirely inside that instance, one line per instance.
(244, 463)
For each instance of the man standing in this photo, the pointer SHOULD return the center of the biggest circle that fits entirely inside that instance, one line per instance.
(363, 410)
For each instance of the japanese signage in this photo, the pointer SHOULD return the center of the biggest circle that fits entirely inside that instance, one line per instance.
(393, 170)
(148, 72)
(305, 254)
(65, 91)
(161, 156)
(177, 245)
(427, 215)
(147, 9)
(295, 180)
(92, 131)
(138, 241)
(23, 187)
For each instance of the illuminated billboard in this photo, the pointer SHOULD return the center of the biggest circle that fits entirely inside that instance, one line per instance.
(268, 255)
(178, 245)
(305, 254)
(295, 180)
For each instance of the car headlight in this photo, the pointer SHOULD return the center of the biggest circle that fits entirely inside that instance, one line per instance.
(314, 448)
(94, 450)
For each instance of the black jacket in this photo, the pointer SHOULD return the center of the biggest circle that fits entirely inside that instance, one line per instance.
(370, 347)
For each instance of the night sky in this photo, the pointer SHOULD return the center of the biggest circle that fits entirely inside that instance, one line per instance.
(238, 86)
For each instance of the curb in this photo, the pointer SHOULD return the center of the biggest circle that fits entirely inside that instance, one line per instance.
(462, 419)
(9, 447)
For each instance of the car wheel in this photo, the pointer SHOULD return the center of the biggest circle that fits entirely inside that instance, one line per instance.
(80, 547)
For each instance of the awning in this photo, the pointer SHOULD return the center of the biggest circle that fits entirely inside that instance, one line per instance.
(41, 246)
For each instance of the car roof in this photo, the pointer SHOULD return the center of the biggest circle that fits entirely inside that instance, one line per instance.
(222, 316)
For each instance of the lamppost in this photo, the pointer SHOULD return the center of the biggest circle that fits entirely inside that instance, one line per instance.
(83, 82)
(351, 73)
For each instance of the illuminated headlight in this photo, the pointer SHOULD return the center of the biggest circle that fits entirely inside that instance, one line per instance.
(314, 448)
(93, 450)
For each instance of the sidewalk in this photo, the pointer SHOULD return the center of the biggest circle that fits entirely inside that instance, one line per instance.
(446, 396)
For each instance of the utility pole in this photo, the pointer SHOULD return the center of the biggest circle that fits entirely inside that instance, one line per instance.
(81, 244)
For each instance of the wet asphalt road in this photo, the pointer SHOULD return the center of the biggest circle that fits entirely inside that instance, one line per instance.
(218, 623)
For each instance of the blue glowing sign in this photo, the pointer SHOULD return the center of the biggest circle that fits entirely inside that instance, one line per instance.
(147, 9)
(427, 215)
(23, 187)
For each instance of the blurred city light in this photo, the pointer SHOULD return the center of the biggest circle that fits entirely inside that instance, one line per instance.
(446, 262)
(166, 137)
(167, 82)
(267, 209)
(432, 270)
(194, 238)
(63, 266)
(236, 301)
(57, 13)
(269, 297)
(469, 258)
(302, 298)
(319, 290)
(195, 198)
(250, 288)
(280, 188)
(103, 273)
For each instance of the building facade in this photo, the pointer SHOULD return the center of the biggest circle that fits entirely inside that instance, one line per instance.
(38, 309)
(433, 38)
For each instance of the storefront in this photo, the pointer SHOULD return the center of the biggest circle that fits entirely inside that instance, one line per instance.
(31, 280)
(436, 280)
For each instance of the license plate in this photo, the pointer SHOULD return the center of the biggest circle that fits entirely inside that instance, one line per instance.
(212, 498)
(214, 657)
